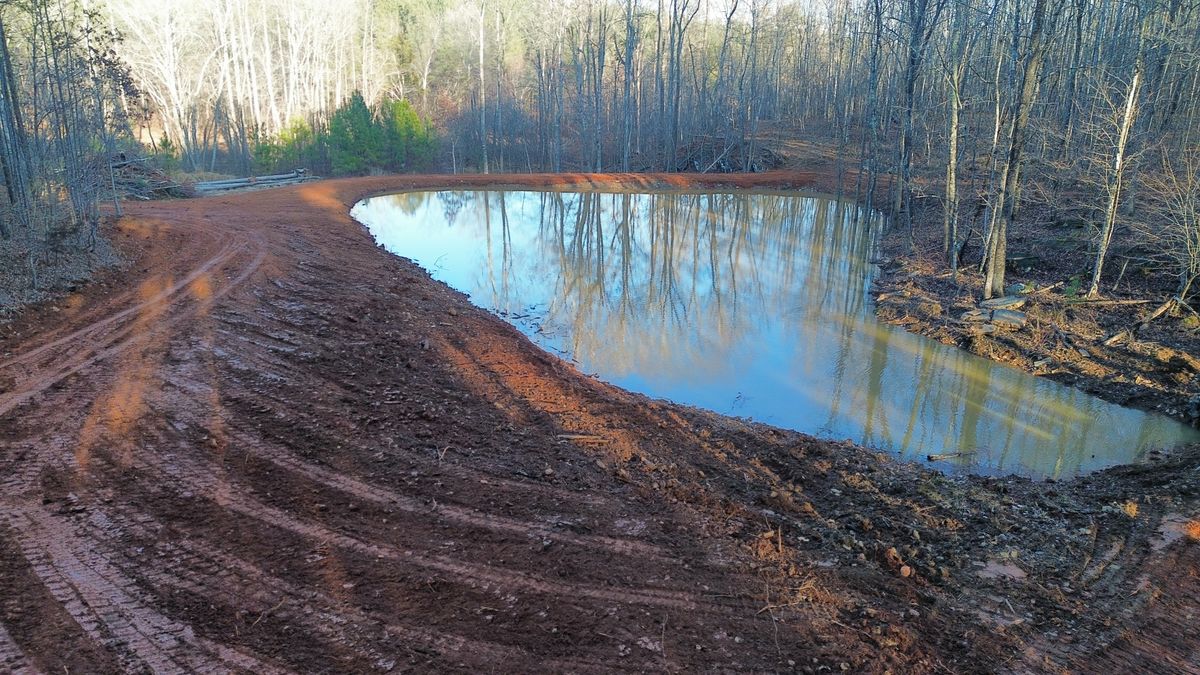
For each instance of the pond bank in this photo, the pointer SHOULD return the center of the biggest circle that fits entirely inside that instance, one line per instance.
(1064, 337)
(274, 446)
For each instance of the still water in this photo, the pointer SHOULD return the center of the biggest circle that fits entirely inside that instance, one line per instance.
(755, 305)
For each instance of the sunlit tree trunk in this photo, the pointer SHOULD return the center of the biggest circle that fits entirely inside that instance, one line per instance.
(998, 244)
(922, 17)
(1116, 176)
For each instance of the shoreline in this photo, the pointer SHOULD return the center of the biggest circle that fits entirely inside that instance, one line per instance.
(1156, 370)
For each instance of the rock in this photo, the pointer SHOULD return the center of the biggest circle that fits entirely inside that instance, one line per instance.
(974, 316)
(1018, 289)
(1020, 263)
(1008, 318)
(1192, 411)
(1007, 302)
(983, 328)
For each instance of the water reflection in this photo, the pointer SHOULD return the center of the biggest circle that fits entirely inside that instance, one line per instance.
(754, 305)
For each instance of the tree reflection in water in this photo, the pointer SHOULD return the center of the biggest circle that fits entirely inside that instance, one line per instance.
(753, 304)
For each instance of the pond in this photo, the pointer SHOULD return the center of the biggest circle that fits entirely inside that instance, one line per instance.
(755, 305)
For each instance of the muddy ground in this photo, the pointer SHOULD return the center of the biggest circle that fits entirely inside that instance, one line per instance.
(267, 445)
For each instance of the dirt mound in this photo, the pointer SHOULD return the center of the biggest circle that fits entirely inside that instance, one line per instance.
(270, 446)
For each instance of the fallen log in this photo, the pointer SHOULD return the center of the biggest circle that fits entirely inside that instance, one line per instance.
(1126, 333)
(950, 455)
(273, 180)
(1109, 303)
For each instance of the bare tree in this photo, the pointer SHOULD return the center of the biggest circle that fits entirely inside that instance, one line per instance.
(964, 33)
(1115, 179)
(921, 17)
(59, 116)
(1170, 220)
(1005, 206)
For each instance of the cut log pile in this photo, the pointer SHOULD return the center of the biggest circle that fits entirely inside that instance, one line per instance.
(136, 179)
(253, 182)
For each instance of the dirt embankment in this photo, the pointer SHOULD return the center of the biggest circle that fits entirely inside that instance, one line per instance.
(270, 446)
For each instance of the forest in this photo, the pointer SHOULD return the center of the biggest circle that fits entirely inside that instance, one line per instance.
(971, 114)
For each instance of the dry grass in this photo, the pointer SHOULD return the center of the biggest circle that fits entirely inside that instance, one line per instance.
(199, 176)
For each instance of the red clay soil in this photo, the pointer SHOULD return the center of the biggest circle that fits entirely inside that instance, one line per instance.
(269, 446)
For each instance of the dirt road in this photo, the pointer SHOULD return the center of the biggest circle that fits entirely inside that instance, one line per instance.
(269, 446)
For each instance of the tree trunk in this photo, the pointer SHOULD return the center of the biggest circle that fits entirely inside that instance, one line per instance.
(1116, 175)
(483, 140)
(1005, 198)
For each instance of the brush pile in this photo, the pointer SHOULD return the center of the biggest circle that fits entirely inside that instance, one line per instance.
(717, 154)
(135, 179)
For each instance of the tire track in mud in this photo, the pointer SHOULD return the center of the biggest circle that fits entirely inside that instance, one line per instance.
(283, 401)
(216, 578)
(12, 658)
(21, 474)
(100, 602)
(193, 567)
(487, 577)
(470, 517)
(94, 350)
(198, 477)
(224, 254)
(110, 608)
(492, 480)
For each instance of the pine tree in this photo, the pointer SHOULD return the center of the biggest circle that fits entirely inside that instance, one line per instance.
(355, 142)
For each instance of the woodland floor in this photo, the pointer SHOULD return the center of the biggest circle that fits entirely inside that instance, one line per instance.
(1157, 369)
(266, 445)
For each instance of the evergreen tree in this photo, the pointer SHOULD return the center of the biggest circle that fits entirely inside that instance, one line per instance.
(409, 140)
(355, 142)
